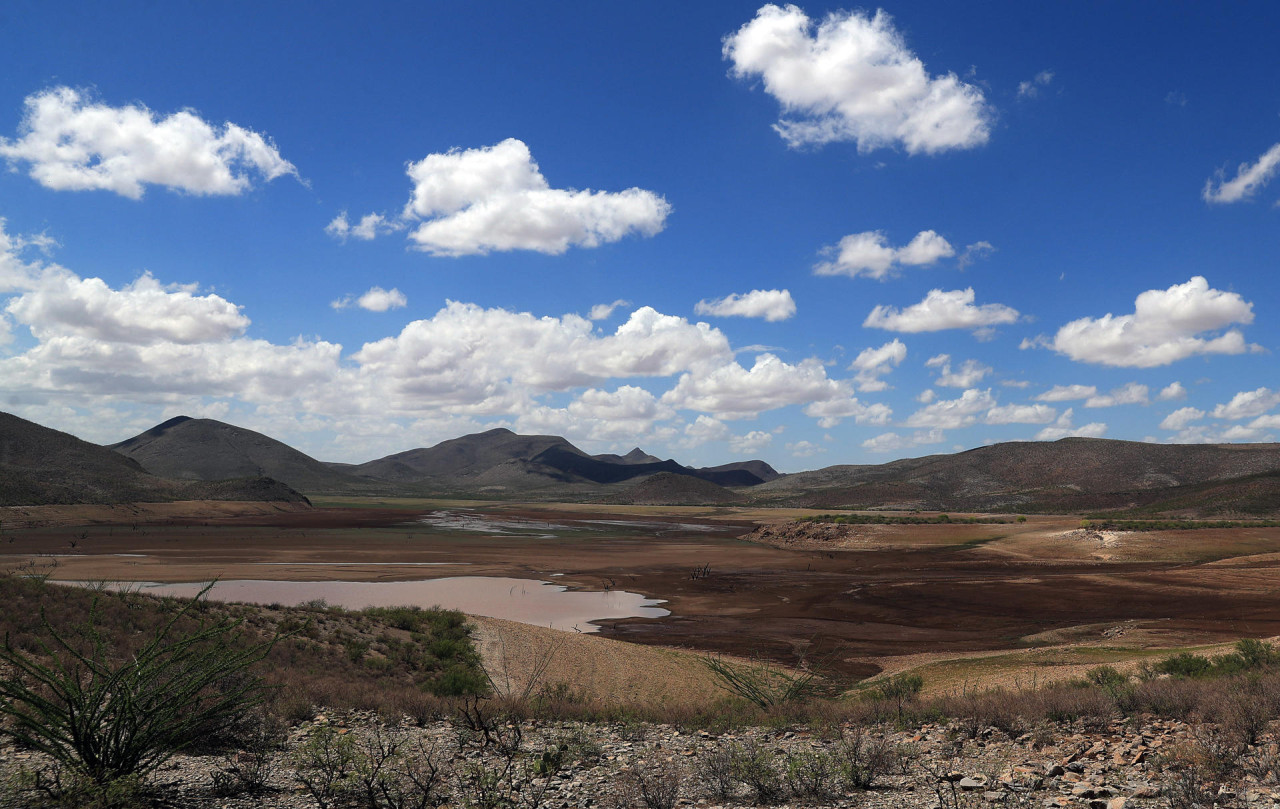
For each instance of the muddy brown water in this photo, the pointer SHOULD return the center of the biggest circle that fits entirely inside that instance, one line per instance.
(525, 600)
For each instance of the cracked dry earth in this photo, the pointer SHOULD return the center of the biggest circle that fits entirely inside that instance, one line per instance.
(1115, 765)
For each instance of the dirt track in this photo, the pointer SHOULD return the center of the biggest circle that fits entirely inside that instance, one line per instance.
(889, 592)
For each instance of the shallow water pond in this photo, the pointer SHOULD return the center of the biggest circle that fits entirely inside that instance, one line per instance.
(526, 600)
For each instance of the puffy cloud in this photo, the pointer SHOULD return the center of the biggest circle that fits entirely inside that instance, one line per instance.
(892, 442)
(1031, 87)
(73, 144)
(1065, 427)
(1021, 414)
(926, 396)
(704, 429)
(1131, 393)
(873, 363)
(1165, 327)
(853, 78)
(142, 313)
(475, 201)
(971, 372)
(804, 449)
(831, 412)
(625, 414)
(941, 310)
(952, 414)
(771, 304)
(1066, 393)
(1180, 418)
(730, 391)
(376, 299)
(469, 354)
(1249, 178)
(369, 227)
(753, 441)
(604, 311)
(869, 254)
(1247, 404)
(1172, 392)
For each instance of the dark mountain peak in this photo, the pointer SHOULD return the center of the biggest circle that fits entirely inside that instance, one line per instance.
(206, 449)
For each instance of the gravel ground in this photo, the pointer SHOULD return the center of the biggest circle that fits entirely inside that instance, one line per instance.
(1111, 766)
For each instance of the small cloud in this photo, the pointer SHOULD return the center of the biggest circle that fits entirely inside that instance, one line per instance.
(771, 304)
(873, 363)
(753, 441)
(1031, 88)
(603, 311)
(942, 310)
(376, 299)
(1180, 418)
(1132, 393)
(970, 372)
(804, 449)
(1172, 392)
(870, 255)
(974, 253)
(1066, 393)
(367, 229)
(1175, 98)
(1250, 177)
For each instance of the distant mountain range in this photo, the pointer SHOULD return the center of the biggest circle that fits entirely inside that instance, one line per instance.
(1065, 476)
(493, 462)
(186, 458)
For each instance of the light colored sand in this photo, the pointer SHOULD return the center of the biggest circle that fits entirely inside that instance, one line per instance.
(517, 654)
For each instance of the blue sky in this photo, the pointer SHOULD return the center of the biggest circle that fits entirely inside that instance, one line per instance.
(832, 234)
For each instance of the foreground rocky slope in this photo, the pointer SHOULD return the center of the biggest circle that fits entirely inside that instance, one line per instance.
(1090, 764)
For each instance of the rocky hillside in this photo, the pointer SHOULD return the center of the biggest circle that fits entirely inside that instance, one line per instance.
(40, 466)
(1074, 474)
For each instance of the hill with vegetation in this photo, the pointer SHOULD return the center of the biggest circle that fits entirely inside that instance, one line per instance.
(1070, 475)
(40, 466)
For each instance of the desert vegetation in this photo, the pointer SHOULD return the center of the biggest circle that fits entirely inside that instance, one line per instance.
(105, 696)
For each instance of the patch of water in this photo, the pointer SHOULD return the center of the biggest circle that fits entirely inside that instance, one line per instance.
(525, 600)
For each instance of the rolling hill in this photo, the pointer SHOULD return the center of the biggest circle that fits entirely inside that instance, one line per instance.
(40, 466)
(184, 448)
(1070, 475)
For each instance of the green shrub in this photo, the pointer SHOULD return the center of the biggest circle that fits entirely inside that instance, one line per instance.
(106, 719)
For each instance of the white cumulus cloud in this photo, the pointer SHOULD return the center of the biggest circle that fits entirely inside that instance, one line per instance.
(1021, 414)
(771, 304)
(831, 412)
(376, 299)
(893, 442)
(71, 143)
(1066, 393)
(952, 414)
(1248, 404)
(873, 363)
(1172, 392)
(970, 372)
(753, 441)
(1180, 418)
(851, 77)
(730, 391)
(942, 310)
(869, 254)
(604, 311)
(369, 227)
(1167, 325)
(494, 198)
(1131, 393)
(1250, 177)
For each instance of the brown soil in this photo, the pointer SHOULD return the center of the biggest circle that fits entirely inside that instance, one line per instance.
(851, 602)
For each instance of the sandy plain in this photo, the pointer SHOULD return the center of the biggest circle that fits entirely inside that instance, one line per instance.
(968, 604)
